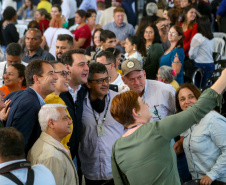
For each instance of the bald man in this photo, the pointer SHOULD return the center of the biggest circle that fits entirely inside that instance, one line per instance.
(33, 40)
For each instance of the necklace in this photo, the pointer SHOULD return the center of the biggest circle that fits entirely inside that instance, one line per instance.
(135, 126)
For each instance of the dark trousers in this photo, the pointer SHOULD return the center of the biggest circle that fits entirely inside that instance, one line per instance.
(99, 182)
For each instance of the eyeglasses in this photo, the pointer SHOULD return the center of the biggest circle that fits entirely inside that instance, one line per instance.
(107, 64)
(63, 73)
(101, 80)
(172, 33)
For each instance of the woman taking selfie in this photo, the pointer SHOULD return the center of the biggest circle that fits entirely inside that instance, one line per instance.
(144, 155)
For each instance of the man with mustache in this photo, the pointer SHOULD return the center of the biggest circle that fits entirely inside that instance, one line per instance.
(64, 43)
(100, 130)
(25, 105)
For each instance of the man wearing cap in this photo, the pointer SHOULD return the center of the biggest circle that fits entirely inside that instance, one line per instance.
(159, 96)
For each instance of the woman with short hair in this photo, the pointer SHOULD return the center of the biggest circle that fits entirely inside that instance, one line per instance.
(144, 155)
(167, 75)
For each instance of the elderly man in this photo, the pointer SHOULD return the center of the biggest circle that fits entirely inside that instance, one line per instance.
(121, 29)
(25, 105)
(108, 59)
(64, 43)
(13, 56)
(14, 169)
(159, 96)
(100, 130)
(33, 40)
(48, 150)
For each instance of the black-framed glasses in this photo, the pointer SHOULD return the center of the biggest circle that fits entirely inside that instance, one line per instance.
(63, 73)
(101, 80)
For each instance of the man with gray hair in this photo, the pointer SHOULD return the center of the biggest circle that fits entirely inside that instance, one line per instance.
(47, 150)
(13, 56)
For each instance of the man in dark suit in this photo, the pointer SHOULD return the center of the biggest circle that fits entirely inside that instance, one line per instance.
(77, 65)
(25, 105)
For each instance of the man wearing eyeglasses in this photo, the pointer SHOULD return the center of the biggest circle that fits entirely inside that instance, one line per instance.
(62, 85)
(108, 59)
(100, 130)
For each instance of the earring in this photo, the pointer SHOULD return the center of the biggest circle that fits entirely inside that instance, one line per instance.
(138, 114)
(134, 49)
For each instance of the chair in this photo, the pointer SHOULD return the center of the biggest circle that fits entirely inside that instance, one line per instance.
(21, 29)
(221, 64)
(222, 36)
(219, 45)
(193, 182)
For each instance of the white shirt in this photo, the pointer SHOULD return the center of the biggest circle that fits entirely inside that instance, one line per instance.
(73, 93)
(69, 7)
(3, 66)
(51, 35)
(161, 99)
(42, 175)
(121, 86)
(201, 49)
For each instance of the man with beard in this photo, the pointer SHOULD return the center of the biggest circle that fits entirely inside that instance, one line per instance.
(100, 130)
(64, 43)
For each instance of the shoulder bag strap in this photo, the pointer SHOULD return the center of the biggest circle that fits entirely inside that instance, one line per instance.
(12, 178)
(52, 39)
(30, 177)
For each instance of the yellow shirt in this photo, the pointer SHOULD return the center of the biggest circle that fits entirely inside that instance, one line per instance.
(45, 4)
(51, 99)
(175, 85)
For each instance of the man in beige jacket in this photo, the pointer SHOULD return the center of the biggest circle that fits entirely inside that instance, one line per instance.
(48, 150)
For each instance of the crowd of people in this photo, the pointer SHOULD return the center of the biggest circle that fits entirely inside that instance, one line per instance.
(92, 94)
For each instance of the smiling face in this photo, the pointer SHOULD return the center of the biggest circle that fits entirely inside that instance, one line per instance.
(186, 98)
(54, 11)
(47, 81)
(191, 15)
(96, 39)
(79, 69)
(136, 81)
(99, 90)
(11, 77)
(63, 76)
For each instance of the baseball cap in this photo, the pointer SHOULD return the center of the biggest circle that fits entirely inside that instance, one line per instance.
(130, 65)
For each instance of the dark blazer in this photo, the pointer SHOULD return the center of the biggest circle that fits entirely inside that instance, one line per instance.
(23, 115)
(75, 110)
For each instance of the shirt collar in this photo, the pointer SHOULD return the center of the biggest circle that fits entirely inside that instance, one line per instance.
(145, 88)
(74, 93)
(122, 25)
(10, 162)
(41, 101)
(38, 53)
